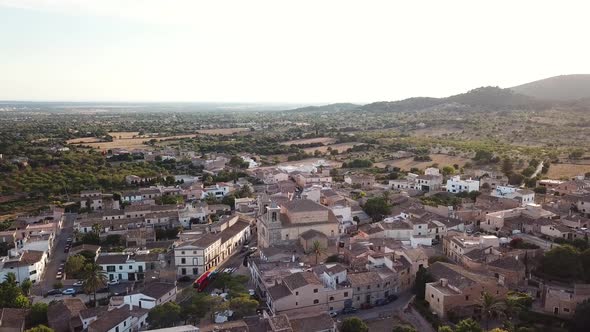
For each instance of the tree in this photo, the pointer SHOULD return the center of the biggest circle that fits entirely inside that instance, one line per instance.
(376, 208)
(562, 262)
(75, 265)
(164, 315)
(581, 320)
(353, 324)
(468, 325)
(422, 278)
(445, 328)
(38, 313)
(507, 166)
(448, 170)
(404, 328)
(21, 301)
(10, 279)
(94, 279)
(26, 286)
(243, 306)
(317, 250)
(490, 307)
(40, 328)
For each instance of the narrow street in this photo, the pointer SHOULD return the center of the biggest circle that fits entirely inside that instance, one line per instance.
(57, 256)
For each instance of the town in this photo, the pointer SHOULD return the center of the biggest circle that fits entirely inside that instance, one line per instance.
(308, 245)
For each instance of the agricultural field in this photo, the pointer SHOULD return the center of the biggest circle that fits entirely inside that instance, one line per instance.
(341, 147)
(559, 171)
(322, 140)
(406, 164)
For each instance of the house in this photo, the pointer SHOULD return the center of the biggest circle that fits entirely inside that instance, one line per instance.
(361, 181)
(154, 293)
(122, 267)
(286, 222)
(218, 190)
(123, 319)
(458, 244)
(305, 179)
(91, 199)
(12, 319)
(429, 182)
(304, 291)
(494, 221)
(562, 300)
(197, 256)
(556, 230)
(456, 185)
(458, 290)
(30, 264)
(583, 205)
(64, 314)
(368, 287)
(523, 196)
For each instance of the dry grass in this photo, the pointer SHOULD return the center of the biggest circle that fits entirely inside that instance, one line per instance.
(558, 171)
(323, 140)
(83, 140)
(440, 159)
(222, 131)
(124, 134)
(341, 147)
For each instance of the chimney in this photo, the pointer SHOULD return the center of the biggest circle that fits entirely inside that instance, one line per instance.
(130, 306)
(444, 282)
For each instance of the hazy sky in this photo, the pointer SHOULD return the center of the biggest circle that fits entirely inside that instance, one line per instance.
(285, 51)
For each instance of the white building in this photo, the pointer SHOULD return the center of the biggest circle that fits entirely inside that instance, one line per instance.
(122, 267)
(155, 293)
(456, 185)
(28, 265)
(524, 196)
(197, 256)
(251, 162)
(219, 190)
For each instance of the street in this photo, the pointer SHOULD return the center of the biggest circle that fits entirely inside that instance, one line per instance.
(57, 256)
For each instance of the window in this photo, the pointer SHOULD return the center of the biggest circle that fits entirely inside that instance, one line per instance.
(182, 260)
(358, 289)
(331, 298)
(432, 296)
(110, 268)
(296, 293)
(124, 323)
(194, 251)
(345, 294)
(117, 329)
(296, 303)
(130, 267)
(120, 267)
(195, 270)
(315, 290)
(183, 271)
(466, 297)
(566, 310)
(316, 301)
(378, 285)
(182, 252)
(369, 287)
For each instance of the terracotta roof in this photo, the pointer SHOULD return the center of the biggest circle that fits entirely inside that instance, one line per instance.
(312, 323)
(60, 313)
(304, 205)
(364, 278)
(508, 263)
(278, 291)
(110, 319)
(157, 290)
(312, 233)
(301, 279)
(457, 276)
(112, 259)
(28, 257)
(233, 230)
(203, 242)
(279, 323)
(12, 319)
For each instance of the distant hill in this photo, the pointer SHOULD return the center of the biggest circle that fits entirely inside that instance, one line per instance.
(327, 108)
(480, 98)
(560, 88)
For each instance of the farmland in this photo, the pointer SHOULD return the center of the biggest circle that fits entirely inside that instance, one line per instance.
(318, 140)
(441, 159)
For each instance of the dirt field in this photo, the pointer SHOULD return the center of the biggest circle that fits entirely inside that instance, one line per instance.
(123, 134)
(440, 159)
(324, 140)
(125, 142)
(222, 131)
(341, 147)
(557, 171)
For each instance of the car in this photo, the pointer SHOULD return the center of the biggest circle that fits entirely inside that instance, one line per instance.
(56, 291)
(381, 302)
(392, 297)
(251, 292)
(113, 282)
(435, 242)
(333, 313)
(69, 291)
(184, 279)
(69, 239)
(58, 276)
(348, 310)
(66, 249)
(79, 283)
(252, 249)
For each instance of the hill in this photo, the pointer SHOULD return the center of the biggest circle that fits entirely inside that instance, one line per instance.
(327, 108)
(560, 88)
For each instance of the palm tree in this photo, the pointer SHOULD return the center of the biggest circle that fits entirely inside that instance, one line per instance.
(94, 279)
(318, 250)
(490, 307)
(10, 278)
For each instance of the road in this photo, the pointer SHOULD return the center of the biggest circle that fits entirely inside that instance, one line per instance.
(543, 244)
(537, 170)
(57, 256)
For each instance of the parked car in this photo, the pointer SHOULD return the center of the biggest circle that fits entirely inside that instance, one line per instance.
(348, 310)
(435, 242)
(66, 249)
(69, 240)
(69, 291)
(392, 297)
(58, 276)
(333, 313)
(79, 283)
(113, 282)
(54, 292)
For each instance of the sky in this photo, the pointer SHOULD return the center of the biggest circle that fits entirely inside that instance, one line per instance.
(316, 52)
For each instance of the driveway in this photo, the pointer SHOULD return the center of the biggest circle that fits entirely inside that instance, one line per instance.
(383, 311)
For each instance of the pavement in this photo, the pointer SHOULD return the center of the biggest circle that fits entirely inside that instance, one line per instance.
(543, 244)
(57, 256)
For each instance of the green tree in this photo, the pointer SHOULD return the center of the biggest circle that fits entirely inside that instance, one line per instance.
(353, 324)
(490, 307)
(21, 301)
(404, 328)
(243, 306)
(468, 325)
(38, 314)
(422, 278)
(317, 249)
(445, 328)
(26, 285)
(581, 320)
(94, 279)
(40, 328)
(10, 279)
(562, 262)
(376, 208)
(448, 170)
(164, 315)
(75, 265)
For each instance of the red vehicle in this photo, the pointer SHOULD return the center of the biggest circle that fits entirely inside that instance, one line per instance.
(201, 283)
